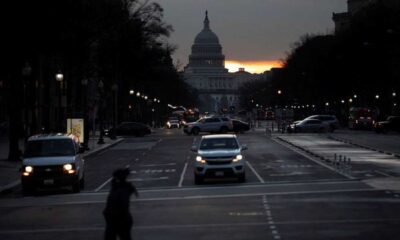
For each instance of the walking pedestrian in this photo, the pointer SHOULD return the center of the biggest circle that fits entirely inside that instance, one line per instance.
(118, 218)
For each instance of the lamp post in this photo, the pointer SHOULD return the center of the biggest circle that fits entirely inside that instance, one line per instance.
(84, 83)
(114, 89)
(100, 87)
(26, 72)
(59, 78)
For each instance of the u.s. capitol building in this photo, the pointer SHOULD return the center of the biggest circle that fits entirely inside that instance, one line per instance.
(206, 72)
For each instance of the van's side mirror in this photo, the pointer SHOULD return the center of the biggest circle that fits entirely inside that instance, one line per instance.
(193, 148)
(244, 147)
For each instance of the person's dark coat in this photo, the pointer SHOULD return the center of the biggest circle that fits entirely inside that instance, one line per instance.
(118, 218)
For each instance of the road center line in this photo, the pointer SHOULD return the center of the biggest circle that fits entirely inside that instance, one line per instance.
(182, 175)
(102, 185)
(255, 173)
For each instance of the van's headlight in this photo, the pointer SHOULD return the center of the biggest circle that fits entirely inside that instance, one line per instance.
(27, 170)
(200, 160)
(69, 168)
(238, 158)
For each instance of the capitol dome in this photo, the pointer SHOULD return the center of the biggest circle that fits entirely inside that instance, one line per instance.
(206, 36)
(206, 50)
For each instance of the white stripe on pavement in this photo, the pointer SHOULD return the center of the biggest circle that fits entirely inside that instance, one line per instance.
(255, 173)
(182, 175)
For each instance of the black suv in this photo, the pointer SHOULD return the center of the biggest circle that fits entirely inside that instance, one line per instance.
(391, 124)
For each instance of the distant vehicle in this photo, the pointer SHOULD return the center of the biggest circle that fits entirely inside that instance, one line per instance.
(391, 124)
(240, 126)
(52, 161)
(308, 125)
(173, 122)
(331, 120)
(362, 118)
(269, 115)
(128, 129)
(219, 156)
(209, 124)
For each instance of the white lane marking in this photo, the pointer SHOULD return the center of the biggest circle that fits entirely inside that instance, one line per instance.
(146, 179)
(210, 225)
(156, 165)
(255, 173)
(384, 174)
(182, 175)
(246, 213)
(64, 202)
(310, 158)
(102, 185)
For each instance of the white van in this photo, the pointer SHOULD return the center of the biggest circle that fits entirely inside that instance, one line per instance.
(52, 160)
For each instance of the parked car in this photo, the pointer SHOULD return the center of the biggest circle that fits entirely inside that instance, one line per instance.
(52, 161)
(308, 125)
(128, 129)
(240, 126)
(331, 120)
(392, 123)
(173, 123)
(209, 124)
(219, 156)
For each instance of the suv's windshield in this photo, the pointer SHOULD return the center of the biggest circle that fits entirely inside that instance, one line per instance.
(48, 148)
(218, 143)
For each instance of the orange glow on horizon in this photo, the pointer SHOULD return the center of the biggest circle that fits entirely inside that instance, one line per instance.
(252, 66)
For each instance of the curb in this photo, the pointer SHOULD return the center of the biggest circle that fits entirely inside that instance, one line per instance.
(7, 188)
(103, 148)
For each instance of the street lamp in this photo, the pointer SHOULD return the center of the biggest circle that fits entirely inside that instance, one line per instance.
(59, 78)
(26, 72)
(131, 92)
(84, 83)
(100, 86)
(114, 89)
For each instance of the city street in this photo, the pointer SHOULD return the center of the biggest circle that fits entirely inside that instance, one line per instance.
(294, 190)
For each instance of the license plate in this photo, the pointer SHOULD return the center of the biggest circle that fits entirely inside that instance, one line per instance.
(48, 182)
(219, 174)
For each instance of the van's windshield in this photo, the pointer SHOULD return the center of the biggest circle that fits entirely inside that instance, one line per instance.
(48, 148)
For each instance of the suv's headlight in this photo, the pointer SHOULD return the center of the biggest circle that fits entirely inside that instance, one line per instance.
(69, 168)
(200, 160)
(238, 158)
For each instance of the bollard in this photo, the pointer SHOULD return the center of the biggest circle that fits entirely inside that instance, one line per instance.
(339, 162)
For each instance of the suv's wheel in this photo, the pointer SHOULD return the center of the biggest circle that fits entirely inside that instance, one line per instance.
(198, 179)
(224, 130)
(195, 131)
(82, 182)
(242, 177)
(76, 187)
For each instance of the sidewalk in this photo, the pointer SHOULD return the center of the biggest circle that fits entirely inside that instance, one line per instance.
(9, 170)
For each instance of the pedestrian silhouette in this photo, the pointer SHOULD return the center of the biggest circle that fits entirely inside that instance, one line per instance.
(118, 218)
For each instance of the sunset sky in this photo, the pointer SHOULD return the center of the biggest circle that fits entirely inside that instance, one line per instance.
(255, 34)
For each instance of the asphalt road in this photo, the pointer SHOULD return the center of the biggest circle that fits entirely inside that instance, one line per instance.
(288, 194)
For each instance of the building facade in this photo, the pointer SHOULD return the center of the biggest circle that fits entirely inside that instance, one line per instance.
(206, 72)
(342, 20)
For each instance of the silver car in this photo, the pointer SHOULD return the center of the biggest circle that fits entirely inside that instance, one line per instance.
(308, 125)
(219, 156)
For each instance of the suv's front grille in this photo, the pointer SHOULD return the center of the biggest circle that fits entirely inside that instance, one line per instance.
(47, 171)
(219, 157)
(218, 162)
